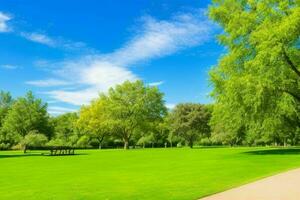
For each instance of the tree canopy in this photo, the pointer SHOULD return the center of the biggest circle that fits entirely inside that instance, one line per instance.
(256, 83)
(190, 121)
(25, 115)
(94, 120)
(133, 106)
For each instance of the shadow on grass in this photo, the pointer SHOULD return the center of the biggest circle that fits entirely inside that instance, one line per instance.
(36, 155)
(282, 151)
(210, 147)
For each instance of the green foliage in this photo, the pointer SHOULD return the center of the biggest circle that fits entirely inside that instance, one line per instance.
(5, 104)
(190, 121)
(83, 142)
(34, 139)
(94, 120)
(25, 115)
(65, 131)
(131, 107)
(256, 84)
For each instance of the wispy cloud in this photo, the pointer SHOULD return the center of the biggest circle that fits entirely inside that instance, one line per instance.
(57, 110)
(159, 38)
(156, 83)
(59, 42)
(155, 38)
(48, 83)
(10, 67)
(4, 18)
(39, 38)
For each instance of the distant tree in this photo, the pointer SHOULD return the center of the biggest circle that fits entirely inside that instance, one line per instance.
(190, 121)
(131, 107)
(94, 120)
(33, 139)
(65, 130)
(26, 114)
(5, 104)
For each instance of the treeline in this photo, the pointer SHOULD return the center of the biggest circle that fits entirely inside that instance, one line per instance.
(131, 114)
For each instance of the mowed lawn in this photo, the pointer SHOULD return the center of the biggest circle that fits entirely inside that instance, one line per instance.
(138, 174)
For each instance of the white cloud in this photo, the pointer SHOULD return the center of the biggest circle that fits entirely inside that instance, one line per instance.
(48, 83)
(156, 83)
(4, 18)
(55, 42)
(39, 38)
(75, 97)
(156, 38)
(170, 106)
(58, 110)
(11, 67)
(98, 77)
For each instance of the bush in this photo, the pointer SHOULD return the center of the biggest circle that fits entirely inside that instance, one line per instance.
(56, 142)
(83, 142)
(205, 142)
(34, 139)
(4, 146)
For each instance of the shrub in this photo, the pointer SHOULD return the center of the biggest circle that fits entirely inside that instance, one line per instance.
(83, 142)
(34, 139)
(4, 146)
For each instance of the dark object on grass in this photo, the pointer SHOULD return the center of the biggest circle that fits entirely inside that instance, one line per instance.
(56, 150)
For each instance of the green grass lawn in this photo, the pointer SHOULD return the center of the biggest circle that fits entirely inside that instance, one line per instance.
(138, 174)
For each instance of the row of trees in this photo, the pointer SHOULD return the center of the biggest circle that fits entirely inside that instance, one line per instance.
(131, 114)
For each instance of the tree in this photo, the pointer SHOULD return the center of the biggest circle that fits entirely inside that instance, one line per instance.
(5, 104)
(95, 121)
(26, 114)
(131, 106)
(33, 139)
(190, 121)
(65, 131)
(256, 84)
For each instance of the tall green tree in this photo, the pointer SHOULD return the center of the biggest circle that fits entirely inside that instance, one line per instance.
(94, 120)
(132, 106)
(256, 83)
(27, 114)
(190, 121)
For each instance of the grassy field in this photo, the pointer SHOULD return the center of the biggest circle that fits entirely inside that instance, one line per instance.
(138, 174)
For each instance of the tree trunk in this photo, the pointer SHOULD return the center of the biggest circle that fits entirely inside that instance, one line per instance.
(100, 140)
(25, 149)
(191, 144)
(126, 144)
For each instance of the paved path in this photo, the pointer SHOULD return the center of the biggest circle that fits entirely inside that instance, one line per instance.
(285, 186)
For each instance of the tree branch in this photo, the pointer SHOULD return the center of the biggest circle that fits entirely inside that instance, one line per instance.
(290, 62)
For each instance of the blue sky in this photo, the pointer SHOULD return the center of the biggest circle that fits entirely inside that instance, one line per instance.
(67, 52)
